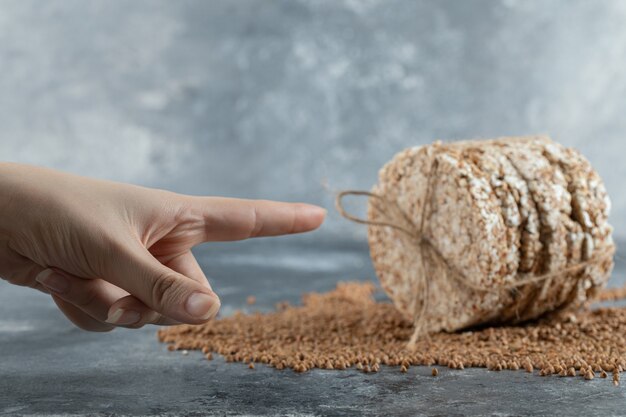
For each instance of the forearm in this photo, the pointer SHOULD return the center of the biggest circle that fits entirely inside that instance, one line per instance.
(27, 194)
(8, 192)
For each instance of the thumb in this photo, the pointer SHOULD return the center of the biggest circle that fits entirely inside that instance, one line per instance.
(162, 289)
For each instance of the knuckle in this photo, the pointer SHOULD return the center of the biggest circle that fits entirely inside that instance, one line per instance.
(87, 296)
(293, 219)
(256, 222)
(165, 290)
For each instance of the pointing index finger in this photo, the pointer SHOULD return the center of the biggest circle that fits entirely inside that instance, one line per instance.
(236, 219)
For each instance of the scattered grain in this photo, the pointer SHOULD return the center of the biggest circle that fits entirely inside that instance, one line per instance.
(346, 327)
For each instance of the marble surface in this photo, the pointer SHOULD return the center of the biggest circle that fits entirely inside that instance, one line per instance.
(48, 367)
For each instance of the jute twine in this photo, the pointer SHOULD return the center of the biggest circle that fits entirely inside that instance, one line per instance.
(395, 218)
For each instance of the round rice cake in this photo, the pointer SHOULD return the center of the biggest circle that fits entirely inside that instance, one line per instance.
(590, 201)
(466, 227)
(397, 257)
(534, 172)
(461, 197)
(490, 208)
(530, 243)
(590, 209)
(464, 220)
(528, 225)
(394, 264)
(492, 170)
(556, 291)
(538, 173)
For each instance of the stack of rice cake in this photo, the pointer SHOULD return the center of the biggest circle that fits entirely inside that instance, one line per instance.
(498, 211)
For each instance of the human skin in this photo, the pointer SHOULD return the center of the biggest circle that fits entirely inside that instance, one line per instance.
(113, 254)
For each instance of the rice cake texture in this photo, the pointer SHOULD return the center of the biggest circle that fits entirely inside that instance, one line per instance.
(496, 211)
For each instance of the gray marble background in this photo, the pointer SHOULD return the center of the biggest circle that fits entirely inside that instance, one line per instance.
(296, 99)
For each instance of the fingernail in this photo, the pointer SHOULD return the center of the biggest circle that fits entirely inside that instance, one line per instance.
(123, 317)
(53, 281)
(202, 306)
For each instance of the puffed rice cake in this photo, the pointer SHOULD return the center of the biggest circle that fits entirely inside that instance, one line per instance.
(497, 211)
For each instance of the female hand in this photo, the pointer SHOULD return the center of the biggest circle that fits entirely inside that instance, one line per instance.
(113, 254)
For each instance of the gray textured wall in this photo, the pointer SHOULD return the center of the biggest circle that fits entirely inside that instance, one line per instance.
(274, 99)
